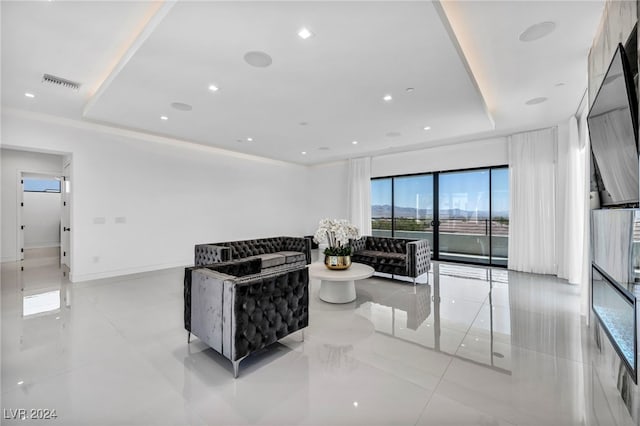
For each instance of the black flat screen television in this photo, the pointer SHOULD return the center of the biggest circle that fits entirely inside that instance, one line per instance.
(613, 130)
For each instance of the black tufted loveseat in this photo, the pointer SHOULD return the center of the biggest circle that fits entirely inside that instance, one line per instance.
(237, 309)
(396, 256)
(275, 253)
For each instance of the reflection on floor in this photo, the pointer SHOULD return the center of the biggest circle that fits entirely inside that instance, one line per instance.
(474, 346)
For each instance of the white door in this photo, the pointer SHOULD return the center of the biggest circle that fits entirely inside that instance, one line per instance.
(65, 222)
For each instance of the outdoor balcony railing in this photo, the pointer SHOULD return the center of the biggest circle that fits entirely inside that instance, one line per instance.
(466, 237)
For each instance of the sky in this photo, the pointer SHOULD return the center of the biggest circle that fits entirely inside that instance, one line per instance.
(41, 185)
(467, 190)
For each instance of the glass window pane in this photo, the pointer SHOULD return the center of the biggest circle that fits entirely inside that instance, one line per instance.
(381, 207)
(413, 207)
(464, 216)
(41, 185)
(500, 215)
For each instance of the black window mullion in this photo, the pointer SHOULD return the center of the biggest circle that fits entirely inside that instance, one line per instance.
(393, 208)
(490, 217)
(436, 215)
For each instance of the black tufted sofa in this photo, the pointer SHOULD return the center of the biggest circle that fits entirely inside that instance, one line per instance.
(237, 309)
(275, 253)
(396, 256)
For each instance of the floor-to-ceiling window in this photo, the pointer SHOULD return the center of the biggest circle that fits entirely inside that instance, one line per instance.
(464, 213)
(413, 207)
(381, 205)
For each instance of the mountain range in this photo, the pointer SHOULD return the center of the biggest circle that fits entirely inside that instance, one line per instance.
(410, 212)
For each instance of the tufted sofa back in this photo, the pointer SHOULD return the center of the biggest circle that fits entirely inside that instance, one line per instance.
(387, 245)
(246, 248)
(206, 254)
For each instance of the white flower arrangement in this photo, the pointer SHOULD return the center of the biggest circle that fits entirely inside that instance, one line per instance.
(336, 233)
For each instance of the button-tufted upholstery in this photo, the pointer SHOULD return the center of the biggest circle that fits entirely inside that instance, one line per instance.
(397, 256)
(273, 251)
(239, 314)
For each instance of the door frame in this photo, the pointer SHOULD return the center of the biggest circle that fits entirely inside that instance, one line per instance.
(19, 207)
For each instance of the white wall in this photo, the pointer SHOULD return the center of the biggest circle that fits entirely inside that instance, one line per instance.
(41, 217)
(327, 196)
(12, 163)
(481, 153)
(170, 194)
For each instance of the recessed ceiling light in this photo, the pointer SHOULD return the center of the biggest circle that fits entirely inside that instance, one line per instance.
(355, 403)
(304, 153)
(30, 95)
(21, 382)
(181, 106)
(355, 142)
(536, 101)
(164, 117)
(537, 31)
(387, 98)
(213, 88)
(249, 139)
(304, 33)
(427, 127)
(258, 59)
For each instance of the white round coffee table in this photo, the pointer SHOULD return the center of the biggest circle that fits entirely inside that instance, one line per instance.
(339, 286)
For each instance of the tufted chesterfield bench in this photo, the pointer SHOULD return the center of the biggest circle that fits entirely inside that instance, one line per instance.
(396, 256)
(237, 309)
(276, 253)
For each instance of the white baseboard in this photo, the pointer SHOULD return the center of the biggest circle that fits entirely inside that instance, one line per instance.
(76, 278)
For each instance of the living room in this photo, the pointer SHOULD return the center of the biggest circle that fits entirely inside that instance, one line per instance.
(162, 147)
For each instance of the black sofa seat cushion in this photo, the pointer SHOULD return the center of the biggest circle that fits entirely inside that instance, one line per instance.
(382, 258)
(292, 256)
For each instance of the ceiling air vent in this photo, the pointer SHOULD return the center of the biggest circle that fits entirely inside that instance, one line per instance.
(52, 79)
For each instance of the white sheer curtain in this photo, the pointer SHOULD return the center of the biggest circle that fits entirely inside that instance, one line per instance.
(572, 208)
(359, 194)
(585, 281)
(532, 229)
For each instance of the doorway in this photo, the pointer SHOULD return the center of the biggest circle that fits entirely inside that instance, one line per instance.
(40, 216)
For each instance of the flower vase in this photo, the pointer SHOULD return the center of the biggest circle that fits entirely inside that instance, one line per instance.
(337, 262)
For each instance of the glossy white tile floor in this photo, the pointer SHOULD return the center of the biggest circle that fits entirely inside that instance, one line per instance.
(473, 347)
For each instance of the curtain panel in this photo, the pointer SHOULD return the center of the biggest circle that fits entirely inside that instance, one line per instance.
(532, 228)
(359, 194)
(571, 202)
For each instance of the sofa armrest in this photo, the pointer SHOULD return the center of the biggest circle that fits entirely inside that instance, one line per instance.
(358, 245)
(418, 258)
(300, 244)
(237, 268)
(206, 254)
(230, 269)
(207, 305)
